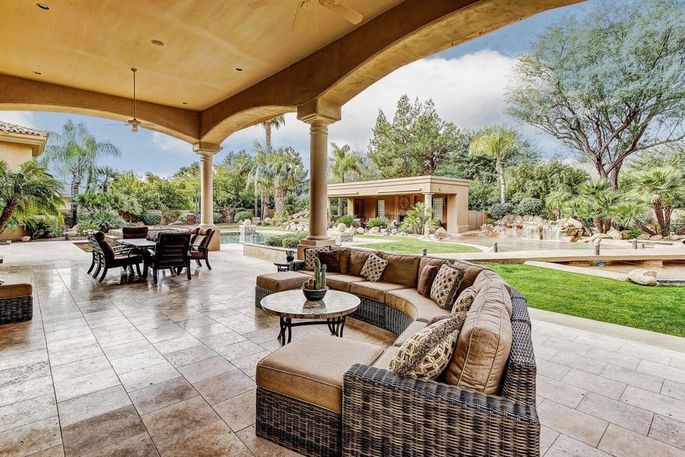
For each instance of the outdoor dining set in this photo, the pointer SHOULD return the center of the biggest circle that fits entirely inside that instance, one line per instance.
(163, 250)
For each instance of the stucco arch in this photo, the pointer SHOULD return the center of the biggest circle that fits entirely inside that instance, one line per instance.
(243, 119)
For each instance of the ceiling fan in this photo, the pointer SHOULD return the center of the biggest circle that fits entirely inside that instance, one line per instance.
(304, 9)
(134, 123)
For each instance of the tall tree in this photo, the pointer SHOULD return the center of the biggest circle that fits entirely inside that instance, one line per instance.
(260, 177)
(26, 193)
(273, 123)
(346, 163)
(497, 143)
(286, 170)
(609, 86)
(74, 153)
(415, 142)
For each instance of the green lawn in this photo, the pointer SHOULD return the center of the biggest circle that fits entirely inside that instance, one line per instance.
(409, 245)
(659, 309)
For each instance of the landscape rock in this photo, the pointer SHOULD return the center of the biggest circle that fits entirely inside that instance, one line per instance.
(656, 238)
(643, 277)
(374, 230)
(615, 234)
(644, 236)
(341, 227)
(441, 234)
(360, 231)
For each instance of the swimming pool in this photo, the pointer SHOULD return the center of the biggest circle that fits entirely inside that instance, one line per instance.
(234, 238)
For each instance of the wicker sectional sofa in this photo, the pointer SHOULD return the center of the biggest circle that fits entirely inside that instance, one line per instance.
(324, 396)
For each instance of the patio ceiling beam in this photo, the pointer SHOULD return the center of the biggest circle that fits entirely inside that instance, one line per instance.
(30, 95)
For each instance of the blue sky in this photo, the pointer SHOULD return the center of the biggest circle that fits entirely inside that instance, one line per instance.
(466, 82)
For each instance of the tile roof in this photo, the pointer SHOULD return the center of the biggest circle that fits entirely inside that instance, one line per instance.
(7, 127)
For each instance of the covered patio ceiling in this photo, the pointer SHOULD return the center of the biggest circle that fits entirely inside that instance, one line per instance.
(225, 65)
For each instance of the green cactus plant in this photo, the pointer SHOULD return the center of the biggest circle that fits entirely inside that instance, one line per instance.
(318, 281)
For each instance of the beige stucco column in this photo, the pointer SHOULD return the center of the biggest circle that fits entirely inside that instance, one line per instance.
(318, 115)
(428, 200)
(350, 206)
(206, 152)
(458, 212)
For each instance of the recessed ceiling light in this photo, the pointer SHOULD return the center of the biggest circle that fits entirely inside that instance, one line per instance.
(159, 43)
(43, 6)
(238, 69)
(185, 103)
(37, 73)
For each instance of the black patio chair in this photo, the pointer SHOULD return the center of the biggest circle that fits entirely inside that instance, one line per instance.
(110, 257)
(171, 253)
(199, 244)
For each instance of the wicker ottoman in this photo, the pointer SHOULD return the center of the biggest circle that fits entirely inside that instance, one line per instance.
(299, 392)
(16, 303)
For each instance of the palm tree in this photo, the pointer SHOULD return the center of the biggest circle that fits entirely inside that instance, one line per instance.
(345, 163)
(602, 201)
(496, 143)
(556, 200)
(74, 153)
(273, 123)
(107, 175)
(286, 170)
(29, 192)
(260, 177)
(662, 188)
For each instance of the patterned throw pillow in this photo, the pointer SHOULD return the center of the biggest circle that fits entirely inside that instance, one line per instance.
(464, 300)
(427, 353)
(373, 268)
(310, 255)
(445, 286)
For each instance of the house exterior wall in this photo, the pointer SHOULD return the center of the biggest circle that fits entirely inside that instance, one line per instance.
(15, 154)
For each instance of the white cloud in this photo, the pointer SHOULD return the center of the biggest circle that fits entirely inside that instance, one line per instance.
(23, 118)
(469, 91)
(168, 143)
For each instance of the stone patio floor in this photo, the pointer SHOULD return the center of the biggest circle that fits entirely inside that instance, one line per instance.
(136, 369)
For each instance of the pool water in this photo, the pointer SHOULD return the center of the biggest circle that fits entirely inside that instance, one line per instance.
(234, 238)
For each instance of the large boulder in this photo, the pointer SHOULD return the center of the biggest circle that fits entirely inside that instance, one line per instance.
(656, 238)
(644, 236)
(441, 234)
(341, 227)
(359, 230)
(643, 277)
(574, 222)
(615, 234)
(374, 230)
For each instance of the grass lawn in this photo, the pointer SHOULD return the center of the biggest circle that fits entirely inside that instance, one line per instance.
(409, 245)
(659, 309)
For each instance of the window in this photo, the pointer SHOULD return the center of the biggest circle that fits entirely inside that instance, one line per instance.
(437, 209)
(380, 208)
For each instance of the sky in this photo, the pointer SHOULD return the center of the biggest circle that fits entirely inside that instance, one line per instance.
(467, 83)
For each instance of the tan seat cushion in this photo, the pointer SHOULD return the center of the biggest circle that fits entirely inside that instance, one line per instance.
(484, 342)
(401, 269)
(413, 328)
(341, 281)
(311, 368)
(375, 290)
(15, 290)
(285, 280)
(414, 305)
(386, 357)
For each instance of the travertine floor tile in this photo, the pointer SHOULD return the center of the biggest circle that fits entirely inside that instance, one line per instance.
(620, 442)
(575, 424)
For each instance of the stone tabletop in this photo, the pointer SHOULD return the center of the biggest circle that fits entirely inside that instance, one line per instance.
(293, 304)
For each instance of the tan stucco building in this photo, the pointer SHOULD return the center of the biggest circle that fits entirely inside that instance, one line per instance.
(20, 144)
(393, 198)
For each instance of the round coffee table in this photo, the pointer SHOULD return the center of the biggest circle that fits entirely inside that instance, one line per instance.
(291, 304)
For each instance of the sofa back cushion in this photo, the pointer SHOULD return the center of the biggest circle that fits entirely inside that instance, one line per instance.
(344, 259)
(484, 342)
(488, 277)
(401, 269)
(357, 261)
(311, 254)
(435, 261)
(471, 272)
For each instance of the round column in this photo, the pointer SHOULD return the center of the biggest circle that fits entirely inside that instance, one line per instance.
(206, 152)
(318, 163)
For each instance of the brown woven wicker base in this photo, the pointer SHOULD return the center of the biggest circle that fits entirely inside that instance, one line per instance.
(299, 426)
(16, 309)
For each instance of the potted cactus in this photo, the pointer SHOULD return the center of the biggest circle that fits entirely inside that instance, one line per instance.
(315, 288)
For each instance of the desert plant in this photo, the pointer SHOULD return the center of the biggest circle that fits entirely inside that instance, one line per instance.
(105, 220)
(318, 281)
(346, 219)
(218, 218)
(376, 222)
(531, 207)
(291, 241)
(151, 217)
(418, 219)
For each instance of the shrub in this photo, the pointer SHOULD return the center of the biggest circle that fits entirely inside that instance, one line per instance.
(499, 210)
(44, 227)
(151, 217)
(531, 207)
(634, 233)
(274, 240)
(218, 218)
(87, 225)
(105, 220)
(376, 222)
(243, 215)
(418, 219)
(291, 241)
(346, 219)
